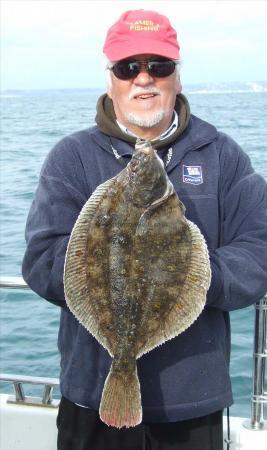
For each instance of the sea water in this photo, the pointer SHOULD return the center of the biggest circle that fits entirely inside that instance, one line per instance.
(31, 123)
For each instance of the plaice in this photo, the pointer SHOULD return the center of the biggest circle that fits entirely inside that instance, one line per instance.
(136, 274)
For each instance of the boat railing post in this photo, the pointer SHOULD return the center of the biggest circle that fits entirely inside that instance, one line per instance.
(47, 396)
(20, 397)
(258, 396)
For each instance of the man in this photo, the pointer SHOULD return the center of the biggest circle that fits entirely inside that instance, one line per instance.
(185, 383)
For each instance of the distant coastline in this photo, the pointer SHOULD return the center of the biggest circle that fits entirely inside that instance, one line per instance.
(196, 88)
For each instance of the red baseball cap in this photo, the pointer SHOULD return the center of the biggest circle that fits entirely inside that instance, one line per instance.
(141, 31)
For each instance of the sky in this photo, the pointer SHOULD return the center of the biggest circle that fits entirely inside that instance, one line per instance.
(56, 44)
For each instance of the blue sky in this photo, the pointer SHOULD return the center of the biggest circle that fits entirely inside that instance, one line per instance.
(58, 43)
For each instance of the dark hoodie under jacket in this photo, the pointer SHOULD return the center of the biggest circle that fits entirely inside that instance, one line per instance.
(188, 376)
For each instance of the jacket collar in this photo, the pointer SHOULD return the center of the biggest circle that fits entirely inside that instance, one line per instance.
(197, 134)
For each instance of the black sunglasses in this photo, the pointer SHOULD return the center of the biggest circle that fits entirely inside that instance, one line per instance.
(129, 69)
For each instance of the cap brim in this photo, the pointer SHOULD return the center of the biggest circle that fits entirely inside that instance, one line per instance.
(116, 52)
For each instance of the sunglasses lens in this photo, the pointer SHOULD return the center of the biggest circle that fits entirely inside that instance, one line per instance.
(127, 70)
(161, 69)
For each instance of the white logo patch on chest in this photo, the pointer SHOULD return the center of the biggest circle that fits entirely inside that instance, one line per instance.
(192, 174)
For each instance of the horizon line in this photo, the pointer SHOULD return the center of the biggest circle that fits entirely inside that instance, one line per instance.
(104, 87)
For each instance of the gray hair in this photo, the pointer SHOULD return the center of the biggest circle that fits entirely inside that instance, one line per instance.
(109, 64)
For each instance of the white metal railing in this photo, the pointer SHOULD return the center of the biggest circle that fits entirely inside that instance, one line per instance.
(258, 396)
(21, 398)
(19, 380)
(13, 283)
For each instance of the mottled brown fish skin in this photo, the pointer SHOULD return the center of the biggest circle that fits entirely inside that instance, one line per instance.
(148, 180)
(133, 293)
(138, 279)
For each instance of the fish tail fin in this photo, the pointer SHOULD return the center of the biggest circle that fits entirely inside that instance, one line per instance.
(121, 400)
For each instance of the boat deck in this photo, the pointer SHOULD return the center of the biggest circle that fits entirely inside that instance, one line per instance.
(34, 428)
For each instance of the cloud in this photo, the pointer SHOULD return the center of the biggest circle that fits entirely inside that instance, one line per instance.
(43, 37)
(76, 17)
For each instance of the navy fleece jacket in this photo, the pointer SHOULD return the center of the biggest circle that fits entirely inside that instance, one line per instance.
(187, 376)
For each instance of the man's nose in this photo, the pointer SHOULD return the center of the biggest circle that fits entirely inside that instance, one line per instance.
(143, 78)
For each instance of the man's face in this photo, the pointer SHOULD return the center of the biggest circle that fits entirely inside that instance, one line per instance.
(144, 104)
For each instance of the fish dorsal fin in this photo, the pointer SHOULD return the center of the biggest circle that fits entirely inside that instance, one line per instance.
(75, 262)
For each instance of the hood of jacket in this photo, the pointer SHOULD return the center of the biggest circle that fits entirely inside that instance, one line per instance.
(106, 121)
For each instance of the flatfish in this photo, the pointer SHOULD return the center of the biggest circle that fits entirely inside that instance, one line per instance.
(136, 274)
